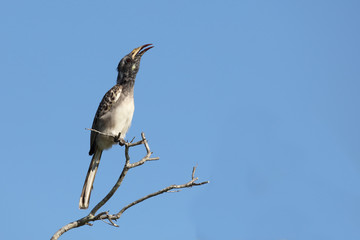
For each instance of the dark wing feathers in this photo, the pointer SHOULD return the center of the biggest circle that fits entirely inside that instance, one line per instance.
(105, 105)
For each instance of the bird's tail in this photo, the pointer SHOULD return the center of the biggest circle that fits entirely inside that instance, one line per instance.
(86, 191)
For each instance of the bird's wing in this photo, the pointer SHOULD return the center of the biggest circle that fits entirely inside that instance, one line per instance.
(105, 106)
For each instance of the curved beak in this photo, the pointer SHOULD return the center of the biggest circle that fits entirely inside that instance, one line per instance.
(138, 52)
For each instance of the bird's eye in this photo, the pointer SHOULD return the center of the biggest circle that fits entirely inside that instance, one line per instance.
(127, 60)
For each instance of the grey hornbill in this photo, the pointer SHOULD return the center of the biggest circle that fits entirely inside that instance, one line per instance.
(113, 116)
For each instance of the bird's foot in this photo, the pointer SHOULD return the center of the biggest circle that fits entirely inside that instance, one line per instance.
(120, 140)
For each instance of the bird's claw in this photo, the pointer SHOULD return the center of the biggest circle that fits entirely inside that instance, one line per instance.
(120, 140)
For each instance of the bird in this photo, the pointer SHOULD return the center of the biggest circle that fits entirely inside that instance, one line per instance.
(113, 116)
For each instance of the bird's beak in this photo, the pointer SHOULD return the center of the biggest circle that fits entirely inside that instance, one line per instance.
(138, 52)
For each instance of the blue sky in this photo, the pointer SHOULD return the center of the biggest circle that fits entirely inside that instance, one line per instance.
(263, 96)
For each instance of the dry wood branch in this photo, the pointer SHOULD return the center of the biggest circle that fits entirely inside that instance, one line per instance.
(103, 216)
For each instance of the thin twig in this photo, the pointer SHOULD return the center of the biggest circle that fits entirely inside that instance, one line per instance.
(105, 134)
(186, 185)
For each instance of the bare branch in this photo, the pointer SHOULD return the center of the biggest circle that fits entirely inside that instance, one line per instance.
(103, 216)
(167, 189)
(106, 215)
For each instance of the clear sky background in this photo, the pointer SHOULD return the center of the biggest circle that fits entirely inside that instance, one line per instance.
(263, 96)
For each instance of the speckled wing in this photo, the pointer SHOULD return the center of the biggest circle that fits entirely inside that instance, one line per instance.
(105, 106)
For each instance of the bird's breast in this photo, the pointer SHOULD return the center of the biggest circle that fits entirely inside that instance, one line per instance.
(120, 116)
(123, 114)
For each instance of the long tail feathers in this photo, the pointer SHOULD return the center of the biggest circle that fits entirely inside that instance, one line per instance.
(86, 191)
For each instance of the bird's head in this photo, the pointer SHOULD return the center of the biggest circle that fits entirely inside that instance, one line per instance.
(130, 64)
